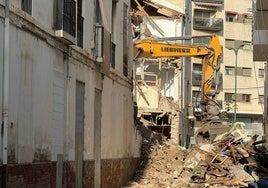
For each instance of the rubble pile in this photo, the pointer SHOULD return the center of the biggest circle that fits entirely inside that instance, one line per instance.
(227, 161)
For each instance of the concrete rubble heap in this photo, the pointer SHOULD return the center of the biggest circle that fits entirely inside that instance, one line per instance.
(226, 162)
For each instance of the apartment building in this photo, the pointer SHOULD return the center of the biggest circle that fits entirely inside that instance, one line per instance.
(260, 50)
(240, 80)
(67, 107)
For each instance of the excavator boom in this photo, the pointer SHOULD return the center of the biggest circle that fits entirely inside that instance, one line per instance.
(210, 54)
(153, 48)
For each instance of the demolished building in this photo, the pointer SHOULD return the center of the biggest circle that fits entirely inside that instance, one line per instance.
(157, 81)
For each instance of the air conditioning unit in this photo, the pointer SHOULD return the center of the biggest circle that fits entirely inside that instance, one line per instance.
(65, 37)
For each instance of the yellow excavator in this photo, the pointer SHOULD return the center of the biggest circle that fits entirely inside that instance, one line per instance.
(211, 55)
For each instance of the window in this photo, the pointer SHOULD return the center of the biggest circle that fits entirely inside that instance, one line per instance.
(229, 97)
(197, 68)
(125, 40)
(113, 34)
(196, 98)
(197, 74)
(98, 13)
(246, 71)
(113, 47)
(80, 24)
(26, 5)
(261, 99)
(231, 17)
(229, 70)
(261, 73)
(65, 16)
(245, 97)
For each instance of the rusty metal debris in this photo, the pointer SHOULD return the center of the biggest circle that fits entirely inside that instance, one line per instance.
(228, 161)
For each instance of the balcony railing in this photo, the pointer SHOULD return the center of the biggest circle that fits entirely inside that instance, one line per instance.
(212, 24)
(80, 30)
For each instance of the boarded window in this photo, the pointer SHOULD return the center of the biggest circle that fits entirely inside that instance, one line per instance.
(229, 70)
(26, 5)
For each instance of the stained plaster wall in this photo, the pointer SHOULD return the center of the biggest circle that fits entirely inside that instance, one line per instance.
(32, 63)
(117, 122)
(42, 96)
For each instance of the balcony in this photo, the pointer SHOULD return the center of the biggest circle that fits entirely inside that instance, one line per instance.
(65, 20)
(211, 24)
(209, 3)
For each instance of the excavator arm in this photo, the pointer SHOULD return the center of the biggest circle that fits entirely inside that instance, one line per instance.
(211, 59)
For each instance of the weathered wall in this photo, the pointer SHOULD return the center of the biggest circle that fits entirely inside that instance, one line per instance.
(42, 104)
(33, 66)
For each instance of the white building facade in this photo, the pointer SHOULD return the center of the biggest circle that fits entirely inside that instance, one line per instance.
(67, 93)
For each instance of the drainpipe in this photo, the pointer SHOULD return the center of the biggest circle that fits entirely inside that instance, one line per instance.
(5, 86)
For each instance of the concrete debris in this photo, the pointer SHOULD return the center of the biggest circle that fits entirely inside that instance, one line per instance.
(227, 162)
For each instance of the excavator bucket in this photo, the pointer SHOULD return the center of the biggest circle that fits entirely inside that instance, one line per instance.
(209, 130)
